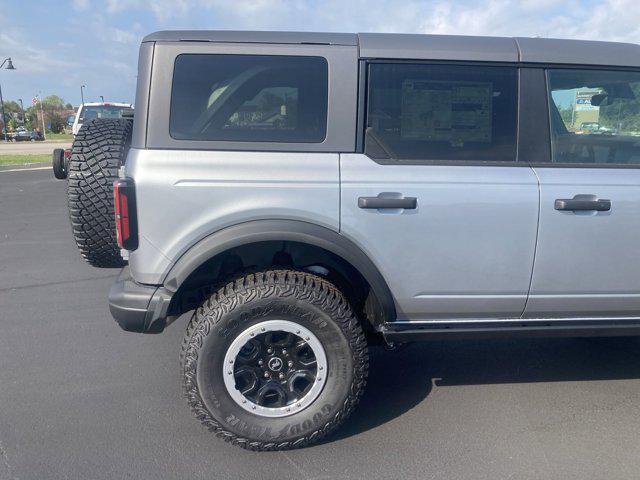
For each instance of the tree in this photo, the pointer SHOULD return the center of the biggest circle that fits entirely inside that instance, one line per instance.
(52, 102)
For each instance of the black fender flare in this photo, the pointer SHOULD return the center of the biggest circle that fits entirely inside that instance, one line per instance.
(282, 230)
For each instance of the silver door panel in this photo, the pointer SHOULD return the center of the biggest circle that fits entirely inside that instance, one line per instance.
(587, 263)
(466, 250)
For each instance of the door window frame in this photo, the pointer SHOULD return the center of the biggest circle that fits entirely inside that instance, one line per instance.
(533, 133)
(363, 89)
(548, 163)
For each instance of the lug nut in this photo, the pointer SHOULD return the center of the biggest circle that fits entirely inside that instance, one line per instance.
(269, 350)
(290, 363)
(281, 375)
(284, 351)
(267, 374)
(260, 362)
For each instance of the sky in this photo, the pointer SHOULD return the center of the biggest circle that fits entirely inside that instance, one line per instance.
(58, 45)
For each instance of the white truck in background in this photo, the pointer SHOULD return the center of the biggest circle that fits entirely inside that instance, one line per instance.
(89, 111)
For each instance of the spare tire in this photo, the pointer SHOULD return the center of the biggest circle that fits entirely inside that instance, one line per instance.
(99, 150)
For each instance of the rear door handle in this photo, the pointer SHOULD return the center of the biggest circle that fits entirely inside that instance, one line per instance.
(583, 203)
(407, 203)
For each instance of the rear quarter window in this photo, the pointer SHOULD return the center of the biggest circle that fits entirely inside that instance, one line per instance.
(249, 98)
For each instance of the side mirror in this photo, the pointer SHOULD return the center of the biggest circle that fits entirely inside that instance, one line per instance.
(599, 99)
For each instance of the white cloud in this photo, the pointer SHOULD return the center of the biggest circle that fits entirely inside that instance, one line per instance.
(607, 20)
(126, 37)
(29, 59)
(80, 5)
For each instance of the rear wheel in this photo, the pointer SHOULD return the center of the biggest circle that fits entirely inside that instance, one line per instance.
(274, 360)
(98, 151)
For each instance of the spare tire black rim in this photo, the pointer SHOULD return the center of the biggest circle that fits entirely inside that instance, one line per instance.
(275, 368)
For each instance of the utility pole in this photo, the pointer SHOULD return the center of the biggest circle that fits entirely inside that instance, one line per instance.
(4, 119)
(82, 87)
(4, 123)
(22, 110)
(44, 130)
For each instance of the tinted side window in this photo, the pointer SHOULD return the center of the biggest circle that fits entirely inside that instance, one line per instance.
(595, 116)
(441, 112)
(249, 98)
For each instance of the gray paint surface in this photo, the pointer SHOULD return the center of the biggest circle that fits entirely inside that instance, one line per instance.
(578, 52)
(184, 196)
(434, 47)
(230, 36)
(466, 251)
(80, 399)
(145, 62)
(587, 262)
(437, 47)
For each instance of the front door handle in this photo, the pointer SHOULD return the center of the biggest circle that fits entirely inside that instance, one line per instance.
(407, 203)
(583, 203)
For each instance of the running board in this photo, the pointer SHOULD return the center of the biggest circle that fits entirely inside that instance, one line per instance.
(405, 331)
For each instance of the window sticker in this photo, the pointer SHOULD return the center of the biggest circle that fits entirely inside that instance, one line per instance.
(445, 111)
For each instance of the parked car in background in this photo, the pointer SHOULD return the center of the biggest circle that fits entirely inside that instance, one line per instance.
(90, 111)
(594, 128)
(24, 135)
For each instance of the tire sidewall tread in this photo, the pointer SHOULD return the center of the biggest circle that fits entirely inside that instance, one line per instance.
(99, 150)
(224, 315)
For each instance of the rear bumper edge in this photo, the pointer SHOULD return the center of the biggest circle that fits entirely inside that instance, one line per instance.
(136, 307)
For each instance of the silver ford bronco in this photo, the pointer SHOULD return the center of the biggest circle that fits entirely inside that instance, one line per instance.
(308, 195)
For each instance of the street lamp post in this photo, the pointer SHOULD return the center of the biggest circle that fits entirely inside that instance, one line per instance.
(4, 119)
(82, 87)
(22, 110)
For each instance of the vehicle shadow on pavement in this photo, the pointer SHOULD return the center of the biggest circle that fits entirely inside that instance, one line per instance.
(398, 381)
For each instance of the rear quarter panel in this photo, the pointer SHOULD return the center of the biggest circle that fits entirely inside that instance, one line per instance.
(185, 195)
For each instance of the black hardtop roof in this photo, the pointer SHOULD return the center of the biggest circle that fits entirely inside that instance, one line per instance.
(433, 47)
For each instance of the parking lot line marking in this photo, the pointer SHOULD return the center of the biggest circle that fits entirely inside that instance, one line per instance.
(24, 169)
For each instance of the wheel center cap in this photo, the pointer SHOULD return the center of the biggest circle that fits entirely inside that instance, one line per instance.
(275, 364)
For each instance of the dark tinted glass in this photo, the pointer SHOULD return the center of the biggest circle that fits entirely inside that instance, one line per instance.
(90, 112)
(441, 112)
(249, 98)
(595, 116)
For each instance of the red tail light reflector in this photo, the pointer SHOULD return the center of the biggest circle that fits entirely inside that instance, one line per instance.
(124, 195)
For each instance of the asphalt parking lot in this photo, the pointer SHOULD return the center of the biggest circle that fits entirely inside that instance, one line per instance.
(81, 399)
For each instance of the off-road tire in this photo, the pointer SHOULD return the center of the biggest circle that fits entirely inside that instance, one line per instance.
(300, 297)
(59, 165)
(98, 151)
